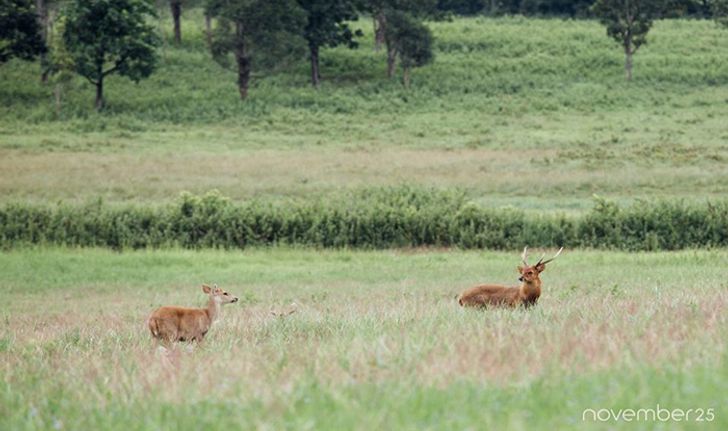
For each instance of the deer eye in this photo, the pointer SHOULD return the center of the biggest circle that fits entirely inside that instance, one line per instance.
(226, 294)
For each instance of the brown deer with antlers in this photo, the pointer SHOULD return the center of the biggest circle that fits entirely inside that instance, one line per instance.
(526, 294)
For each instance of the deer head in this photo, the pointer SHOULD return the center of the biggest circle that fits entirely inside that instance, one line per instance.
(218, 295)
(530, 273)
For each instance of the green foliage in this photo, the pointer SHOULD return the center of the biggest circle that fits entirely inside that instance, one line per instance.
(628, 21)
(418, 8)
(405, 37)
(560, 8)
(326, 26)
(462, 7)
(399, 217)
(663, 226)
(719, 8)
(570, 8)
(258, 33)
(411, 40)
(60, 61)
(111, 36)
(327, 22)
(490, 72)
(19, 31)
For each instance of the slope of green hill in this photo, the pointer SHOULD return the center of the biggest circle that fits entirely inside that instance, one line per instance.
(525, 112)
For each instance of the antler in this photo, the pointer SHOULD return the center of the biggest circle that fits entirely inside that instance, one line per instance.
(293, 309)
(524, 255)
(542, 262)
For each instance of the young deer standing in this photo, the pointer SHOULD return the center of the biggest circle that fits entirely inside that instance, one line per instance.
(169, 324)
(526, 294)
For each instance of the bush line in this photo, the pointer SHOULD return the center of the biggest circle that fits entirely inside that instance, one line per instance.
(382, 218)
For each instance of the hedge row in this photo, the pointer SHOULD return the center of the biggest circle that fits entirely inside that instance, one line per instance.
(375, 219)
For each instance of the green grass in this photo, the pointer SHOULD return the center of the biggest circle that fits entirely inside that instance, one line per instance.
(377, 341)
(526, 113)
(521, 112)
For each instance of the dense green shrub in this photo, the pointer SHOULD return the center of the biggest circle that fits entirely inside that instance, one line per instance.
(380, 218)
(560, 8)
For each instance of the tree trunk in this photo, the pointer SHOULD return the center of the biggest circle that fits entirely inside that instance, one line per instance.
(176, 7)
(406, 77)
(380, 23)
(99, 94)
(628, 60)
(391, 60)
(241, 57)
(57, 93)
(42, 10)
(315, 73)
(208, 29)
(243, 74)
(391, 50)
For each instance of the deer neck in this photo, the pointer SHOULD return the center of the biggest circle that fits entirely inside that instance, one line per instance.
(213, 309)
(530, 290)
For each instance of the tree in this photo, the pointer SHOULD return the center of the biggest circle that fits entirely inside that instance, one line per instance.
(719, 9)
(41, 10)
(381, 10)
(175, 6)
(107, 37)
(46, 11)
(376, 8)
(19, 31)
(262, 32)
(628, 22)
(463, 7)
(326, 26)
(60, 65)
(208, 29)
(410, 40)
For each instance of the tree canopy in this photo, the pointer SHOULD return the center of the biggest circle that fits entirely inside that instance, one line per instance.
(327, 26)
(262, 33)
(411, 40)
(719, 8)
(628, 22)
(107, 37)
(20, 35)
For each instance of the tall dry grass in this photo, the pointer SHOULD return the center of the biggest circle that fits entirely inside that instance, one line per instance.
(77, 348)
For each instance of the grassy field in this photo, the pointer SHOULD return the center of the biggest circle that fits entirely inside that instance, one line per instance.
(377, 342)
(521, 112)
(526, 113)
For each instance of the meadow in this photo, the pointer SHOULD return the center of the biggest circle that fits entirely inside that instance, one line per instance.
(377, 341)
(529, 113)
(506, 138)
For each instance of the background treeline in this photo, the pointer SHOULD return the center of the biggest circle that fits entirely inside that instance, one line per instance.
(571, 8)
(376, 218)
(564, 8)
(98, 39)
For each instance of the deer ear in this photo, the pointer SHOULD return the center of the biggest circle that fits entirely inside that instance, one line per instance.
(206, 289)
(540, 267)
(520, 269)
